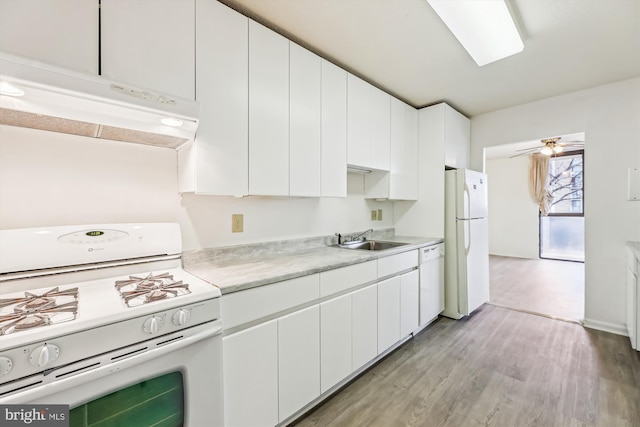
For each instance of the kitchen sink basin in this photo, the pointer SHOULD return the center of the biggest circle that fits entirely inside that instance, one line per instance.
(371, 245)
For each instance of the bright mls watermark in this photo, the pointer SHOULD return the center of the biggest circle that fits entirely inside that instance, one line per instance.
(34, 415)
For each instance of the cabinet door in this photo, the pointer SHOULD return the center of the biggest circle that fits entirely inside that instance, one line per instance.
(298, 360)
(633, 320)
(150, 44)
(304, 122)
(457, 145)
(409, 302)
(359, 131)
(61, 32)
(388, 313)
(334, 131)
(364, 321)
(218, 161)
(335, 341)
(403, 182)
(268, 112)
(250, 367)
(380, 123)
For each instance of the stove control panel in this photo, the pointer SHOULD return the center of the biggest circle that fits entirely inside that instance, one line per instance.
(181, 317)
(5, 365)
(43, 355)
(153, 324)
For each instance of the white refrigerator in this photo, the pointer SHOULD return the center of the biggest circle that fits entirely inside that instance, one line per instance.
(466, 242)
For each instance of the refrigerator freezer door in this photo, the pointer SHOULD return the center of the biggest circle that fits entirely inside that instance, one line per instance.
(472, 194)
(473, 264)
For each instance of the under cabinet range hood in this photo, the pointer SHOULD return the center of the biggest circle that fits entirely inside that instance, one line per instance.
(41, 96)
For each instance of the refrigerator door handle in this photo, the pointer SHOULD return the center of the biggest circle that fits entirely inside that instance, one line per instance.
(467, 237)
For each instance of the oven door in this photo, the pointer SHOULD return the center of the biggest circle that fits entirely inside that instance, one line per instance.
(176, 383)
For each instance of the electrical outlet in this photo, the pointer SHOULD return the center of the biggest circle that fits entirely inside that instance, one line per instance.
(374, 215)
(237, 221)
(379, 214)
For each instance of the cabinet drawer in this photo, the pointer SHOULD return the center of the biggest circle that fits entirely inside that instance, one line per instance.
(245, 306)
(397, 263)
(341, 279)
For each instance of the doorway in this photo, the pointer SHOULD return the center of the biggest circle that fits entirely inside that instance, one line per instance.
(528, 270)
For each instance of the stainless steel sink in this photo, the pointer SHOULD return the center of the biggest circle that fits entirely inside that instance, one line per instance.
(371, 245)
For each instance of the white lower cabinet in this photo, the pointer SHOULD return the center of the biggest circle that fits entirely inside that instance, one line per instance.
(409, 302)
(335, 341)
(298, 360)
(250, 360)
(388, 313)
(364, 326)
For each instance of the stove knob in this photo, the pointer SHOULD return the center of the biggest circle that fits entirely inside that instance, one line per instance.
(152, 325)
(5, 365)
(43, 355)
(181, 317)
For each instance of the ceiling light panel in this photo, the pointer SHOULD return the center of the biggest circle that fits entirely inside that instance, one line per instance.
(485, 28)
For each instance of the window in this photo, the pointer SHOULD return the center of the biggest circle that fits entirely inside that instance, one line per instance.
(562, 231)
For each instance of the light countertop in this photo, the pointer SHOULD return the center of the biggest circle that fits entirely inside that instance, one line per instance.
(236, 268)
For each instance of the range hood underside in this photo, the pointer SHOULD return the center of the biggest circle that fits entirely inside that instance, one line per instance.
(92, 130)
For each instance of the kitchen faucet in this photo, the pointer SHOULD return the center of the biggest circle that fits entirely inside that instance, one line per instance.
(346, 239)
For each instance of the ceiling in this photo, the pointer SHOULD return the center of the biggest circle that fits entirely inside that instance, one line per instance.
(402, 47)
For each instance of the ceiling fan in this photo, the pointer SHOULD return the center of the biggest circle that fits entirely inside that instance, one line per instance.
(551, 146)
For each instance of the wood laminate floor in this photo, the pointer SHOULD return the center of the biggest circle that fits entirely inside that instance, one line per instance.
(499, 367)
(549, 287)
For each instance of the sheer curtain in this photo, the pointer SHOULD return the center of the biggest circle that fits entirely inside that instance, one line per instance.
(538, 173)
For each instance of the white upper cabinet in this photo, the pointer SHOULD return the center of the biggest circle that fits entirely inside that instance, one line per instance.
(217, 162)
(368, 130)
(304, 122)
(268, 112)
(150, 44)
(61, 32)
(457, 138)
(334, 131)
(401, 182)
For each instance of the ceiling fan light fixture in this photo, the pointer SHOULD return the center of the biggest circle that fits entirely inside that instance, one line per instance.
(485, 28)
(546, 150)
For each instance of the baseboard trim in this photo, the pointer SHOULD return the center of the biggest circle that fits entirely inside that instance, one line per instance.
(614, 328)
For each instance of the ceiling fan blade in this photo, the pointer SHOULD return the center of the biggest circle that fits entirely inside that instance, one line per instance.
(530, 149)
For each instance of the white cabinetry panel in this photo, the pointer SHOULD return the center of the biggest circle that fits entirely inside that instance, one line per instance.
(335, 341)
(150, 44)
(457, 131)
(268, 112)
(388, 313)
(298, 360)
(381, 129)
(409, 302)
(304, 123)
(364, 304)
(250, 360)
(218, 161)
(334, 131)
(62, 32)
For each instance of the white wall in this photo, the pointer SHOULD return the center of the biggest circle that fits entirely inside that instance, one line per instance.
(54, 179)
(610, 117)
(513, 215)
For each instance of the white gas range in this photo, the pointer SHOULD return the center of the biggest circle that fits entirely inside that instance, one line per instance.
(91, 311)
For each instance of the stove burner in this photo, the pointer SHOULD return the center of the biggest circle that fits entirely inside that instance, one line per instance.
(142, 290)
(34, 310)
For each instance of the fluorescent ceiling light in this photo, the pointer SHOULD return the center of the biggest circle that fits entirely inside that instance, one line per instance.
(483, 27)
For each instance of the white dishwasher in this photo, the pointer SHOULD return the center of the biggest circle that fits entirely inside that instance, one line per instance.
(431, 283)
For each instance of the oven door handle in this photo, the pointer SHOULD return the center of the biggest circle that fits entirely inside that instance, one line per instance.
(32, 395)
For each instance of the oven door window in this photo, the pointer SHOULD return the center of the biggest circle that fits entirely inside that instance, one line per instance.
(155, 402)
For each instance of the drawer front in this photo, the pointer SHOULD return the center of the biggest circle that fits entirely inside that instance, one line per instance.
(396, 263)
(245, 306)
(344, 278)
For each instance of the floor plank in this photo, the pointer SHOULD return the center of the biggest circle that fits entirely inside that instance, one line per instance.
(549, 287)
(499, 367)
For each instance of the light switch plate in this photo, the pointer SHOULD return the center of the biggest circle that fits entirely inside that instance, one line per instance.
(374, 215)
(379, 214)
(237, 223)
